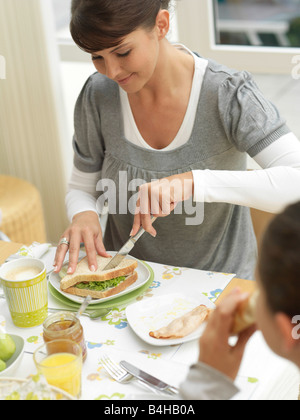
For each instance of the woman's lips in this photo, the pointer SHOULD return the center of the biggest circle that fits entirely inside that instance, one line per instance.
(125, 81)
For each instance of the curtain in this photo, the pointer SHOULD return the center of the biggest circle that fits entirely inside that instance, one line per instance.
(34, 138)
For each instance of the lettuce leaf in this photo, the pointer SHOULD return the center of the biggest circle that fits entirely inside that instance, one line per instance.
(99, 286)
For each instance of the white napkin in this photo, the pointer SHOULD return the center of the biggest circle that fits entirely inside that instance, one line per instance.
(35, 250)
(35, 389)
(44, 252)
(173, 373)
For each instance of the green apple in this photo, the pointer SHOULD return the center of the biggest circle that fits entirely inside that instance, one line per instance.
(2, 365)
(7, 347)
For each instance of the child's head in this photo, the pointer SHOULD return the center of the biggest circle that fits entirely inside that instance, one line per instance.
(279, 282)
(100, 24)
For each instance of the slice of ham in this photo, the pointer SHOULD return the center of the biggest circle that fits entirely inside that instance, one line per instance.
(183, 326)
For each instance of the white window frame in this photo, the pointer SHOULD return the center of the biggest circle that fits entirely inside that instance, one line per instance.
(196, 28)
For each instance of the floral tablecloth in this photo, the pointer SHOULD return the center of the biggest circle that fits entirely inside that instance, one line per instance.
(263, 375)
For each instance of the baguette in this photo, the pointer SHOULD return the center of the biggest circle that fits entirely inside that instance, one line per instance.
(83, 274)
(246, 315)
(108, 292)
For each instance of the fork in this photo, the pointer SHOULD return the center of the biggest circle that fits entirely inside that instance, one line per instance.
(114, 370)
(118, 373)
(94, 315)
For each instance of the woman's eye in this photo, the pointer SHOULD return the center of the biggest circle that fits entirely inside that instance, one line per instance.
(124, 54)
(97, 58)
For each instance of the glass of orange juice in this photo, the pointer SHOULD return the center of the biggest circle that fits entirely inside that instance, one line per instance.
(60, 361)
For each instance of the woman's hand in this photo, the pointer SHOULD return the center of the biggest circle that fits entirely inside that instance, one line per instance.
(159, 199)
(85, 228)
(215, 350)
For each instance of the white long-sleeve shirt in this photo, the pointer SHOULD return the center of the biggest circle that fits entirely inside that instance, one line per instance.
(270, 189)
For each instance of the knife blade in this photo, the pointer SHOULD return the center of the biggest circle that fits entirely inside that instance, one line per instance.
(124, 251)
(149, 379)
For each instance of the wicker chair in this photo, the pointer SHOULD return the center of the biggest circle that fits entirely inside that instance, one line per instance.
(22, 212)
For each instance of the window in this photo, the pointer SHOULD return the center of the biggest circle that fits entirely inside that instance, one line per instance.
(257, 35)
(67, 48)
(270, 23)
(62, 15)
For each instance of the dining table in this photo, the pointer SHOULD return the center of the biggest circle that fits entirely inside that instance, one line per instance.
(262, 376)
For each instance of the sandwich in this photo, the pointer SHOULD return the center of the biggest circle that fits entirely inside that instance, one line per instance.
(101, 283)
(245, 316)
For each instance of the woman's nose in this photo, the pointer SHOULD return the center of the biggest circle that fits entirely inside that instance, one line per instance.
(112, 69)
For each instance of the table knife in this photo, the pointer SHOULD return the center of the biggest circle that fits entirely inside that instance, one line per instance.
(149, 379)
(124, 251)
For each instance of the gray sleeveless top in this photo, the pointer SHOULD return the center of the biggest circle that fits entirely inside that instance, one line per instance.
(233, 119)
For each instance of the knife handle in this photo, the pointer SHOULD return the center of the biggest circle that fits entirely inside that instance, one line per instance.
(142, 231)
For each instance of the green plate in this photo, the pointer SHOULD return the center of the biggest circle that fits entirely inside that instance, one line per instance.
(118, 301)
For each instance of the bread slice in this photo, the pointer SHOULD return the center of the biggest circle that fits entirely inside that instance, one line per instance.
(109, 292)
(245, 316)
(83, 274)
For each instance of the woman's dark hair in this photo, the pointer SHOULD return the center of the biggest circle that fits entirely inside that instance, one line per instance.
(279, 262)
(100, 24)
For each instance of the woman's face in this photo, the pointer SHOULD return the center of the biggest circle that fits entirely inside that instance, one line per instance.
(132, 63)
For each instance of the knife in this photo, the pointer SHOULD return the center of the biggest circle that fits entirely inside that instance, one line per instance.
(149, 379)
(124, 251)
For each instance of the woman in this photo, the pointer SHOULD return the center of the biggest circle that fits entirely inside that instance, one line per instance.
(155, 110)
(278, 315)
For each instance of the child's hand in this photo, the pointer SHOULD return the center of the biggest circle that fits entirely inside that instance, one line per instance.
(215, 349)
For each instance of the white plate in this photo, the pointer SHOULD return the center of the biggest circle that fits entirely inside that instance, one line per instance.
(156, 313)
(143, 277)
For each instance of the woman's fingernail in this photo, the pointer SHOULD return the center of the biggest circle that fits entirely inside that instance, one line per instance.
(69, 270)
(55, 268)
(131, 233)
(93, 268)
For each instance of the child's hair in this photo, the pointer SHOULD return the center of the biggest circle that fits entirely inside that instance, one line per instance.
(100, 24)
(279, 262)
